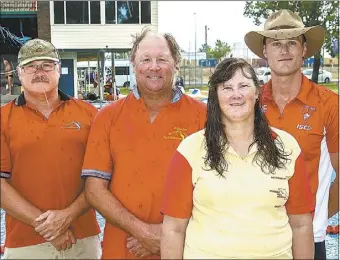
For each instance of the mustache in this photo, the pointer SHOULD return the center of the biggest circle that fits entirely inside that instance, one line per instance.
(40, 79)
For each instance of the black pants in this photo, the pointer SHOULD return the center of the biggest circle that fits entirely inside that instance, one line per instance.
(320, 251)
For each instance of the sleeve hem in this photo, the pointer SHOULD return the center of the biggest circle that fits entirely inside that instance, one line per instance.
(164, 212)
(336, 150)
(5, 175)
(97, 174)
(300, 210)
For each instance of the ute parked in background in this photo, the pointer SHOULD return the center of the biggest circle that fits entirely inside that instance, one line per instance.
(324, 75)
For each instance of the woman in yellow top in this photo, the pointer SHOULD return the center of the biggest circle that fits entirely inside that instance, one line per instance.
(238, 188)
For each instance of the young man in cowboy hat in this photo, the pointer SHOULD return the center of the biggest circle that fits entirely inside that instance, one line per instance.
(304, 109)
(43, 139)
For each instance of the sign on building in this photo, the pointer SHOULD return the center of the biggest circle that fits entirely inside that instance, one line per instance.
(207, 62)
(18, 6)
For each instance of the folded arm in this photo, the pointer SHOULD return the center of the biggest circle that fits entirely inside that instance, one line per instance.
(100, 198)
(56, 222)
(17, 206)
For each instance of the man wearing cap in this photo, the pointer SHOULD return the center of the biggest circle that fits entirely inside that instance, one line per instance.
(306, 110)
(43, 139)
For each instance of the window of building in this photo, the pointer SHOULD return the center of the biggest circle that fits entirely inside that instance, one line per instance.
(128, 12)
(88, 12)
(77, 12)
(122, 71)
(59, 12)
(95, 12)
(146, 12)
(110, 12)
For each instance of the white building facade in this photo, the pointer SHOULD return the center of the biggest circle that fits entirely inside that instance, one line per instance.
(80, 30)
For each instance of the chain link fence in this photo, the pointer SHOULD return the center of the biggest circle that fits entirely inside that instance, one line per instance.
(195, 77)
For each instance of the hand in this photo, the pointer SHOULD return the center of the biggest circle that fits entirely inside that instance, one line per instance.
(64, 241)
(55, 222)
(136, 248)
(150, 238)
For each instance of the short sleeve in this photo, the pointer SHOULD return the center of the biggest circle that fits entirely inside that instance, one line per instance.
(6, 164)
(5, 155)
(203, 115)
(300, 197)
(98, 161)
(332, 124)
(177, 201)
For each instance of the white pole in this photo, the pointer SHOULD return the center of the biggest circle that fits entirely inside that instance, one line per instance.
(195, 49)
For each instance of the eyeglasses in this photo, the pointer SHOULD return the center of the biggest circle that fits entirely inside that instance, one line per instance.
(32, 68)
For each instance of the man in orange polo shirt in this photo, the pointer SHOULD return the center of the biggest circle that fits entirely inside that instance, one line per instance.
(43, 139)
(306, 110)
(130, 147)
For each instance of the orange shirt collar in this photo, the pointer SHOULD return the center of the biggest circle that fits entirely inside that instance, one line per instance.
(306, 87)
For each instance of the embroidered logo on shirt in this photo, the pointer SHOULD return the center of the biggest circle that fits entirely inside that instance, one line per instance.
(73, 125)
(177, 134)
(307, 112)
(281, 193)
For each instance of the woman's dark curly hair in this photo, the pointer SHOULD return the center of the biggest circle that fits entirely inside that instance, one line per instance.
(270, 154)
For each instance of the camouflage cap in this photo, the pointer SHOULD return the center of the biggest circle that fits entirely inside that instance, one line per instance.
(37, 49)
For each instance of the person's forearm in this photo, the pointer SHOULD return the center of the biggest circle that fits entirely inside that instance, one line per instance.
(333, 204)
(303, 242)
(78, 207)
(113, 211)
(172, 245)
(16, 206)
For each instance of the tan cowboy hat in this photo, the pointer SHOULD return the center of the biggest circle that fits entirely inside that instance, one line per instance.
(293, 27)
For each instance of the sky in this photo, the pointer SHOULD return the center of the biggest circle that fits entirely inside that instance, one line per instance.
(224, 19)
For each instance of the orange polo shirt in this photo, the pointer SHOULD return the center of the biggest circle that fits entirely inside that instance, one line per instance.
(313, 119)
(125, 148)
(42, 159)
(243, 215)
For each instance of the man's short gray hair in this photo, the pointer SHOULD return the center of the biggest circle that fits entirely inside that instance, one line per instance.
(172, 44)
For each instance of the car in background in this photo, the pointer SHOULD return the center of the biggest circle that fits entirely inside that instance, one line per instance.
(324, 75)
(263, 75)
(195, 93)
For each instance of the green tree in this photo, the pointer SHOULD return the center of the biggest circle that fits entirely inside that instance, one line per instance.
(204, 48)
(220, 50)
(324, 13)
(207, 49)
